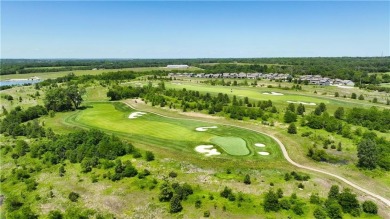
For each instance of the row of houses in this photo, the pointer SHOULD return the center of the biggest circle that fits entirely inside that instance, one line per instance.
(312, 79)
(242, 75)
(324, 81)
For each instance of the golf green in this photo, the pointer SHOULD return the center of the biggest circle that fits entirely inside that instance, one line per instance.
(232, 145)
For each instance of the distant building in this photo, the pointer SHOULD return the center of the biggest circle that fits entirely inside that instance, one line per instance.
(177, 66)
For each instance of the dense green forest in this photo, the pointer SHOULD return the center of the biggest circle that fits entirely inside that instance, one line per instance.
(354, 68)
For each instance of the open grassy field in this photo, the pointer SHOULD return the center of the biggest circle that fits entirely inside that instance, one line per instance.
(309, 94)
(47, 75)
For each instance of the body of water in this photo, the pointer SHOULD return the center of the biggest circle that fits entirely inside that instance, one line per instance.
(18, 82)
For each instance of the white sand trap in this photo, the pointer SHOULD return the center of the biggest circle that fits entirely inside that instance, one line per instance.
(304, 103)
(260, 145)
(136, 115)
(263, 153)
(274, 93)
(208, 150)
(203, 129)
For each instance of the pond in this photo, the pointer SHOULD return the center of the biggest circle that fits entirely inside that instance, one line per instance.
(13, 82)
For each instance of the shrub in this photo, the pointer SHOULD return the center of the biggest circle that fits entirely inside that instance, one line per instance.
(73, 196)
(175, 204)
(226, 192)
(247, 179)
(55, 215)
(173, 174)
(206, 213)
(370, 207)
(297, 209)
(198, 203)
(319, 213)
(271, 202)
(285, 204)
(149, 156)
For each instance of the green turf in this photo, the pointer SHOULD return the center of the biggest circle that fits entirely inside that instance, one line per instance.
(173, 134)
(232, 145)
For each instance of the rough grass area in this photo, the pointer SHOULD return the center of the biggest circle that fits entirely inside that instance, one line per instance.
(232, 145)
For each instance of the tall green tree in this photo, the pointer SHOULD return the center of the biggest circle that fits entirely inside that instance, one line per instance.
(271, 202)
(290, 116)
(339, 113)
(301, 109)
(292, 129)
(367, 154)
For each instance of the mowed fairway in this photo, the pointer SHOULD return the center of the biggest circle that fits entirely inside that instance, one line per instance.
(172, 133)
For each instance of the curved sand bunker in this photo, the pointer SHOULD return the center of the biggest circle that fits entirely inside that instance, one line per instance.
(260, 145)
(136, 115)
(274, 93)
(203, 129)
(304, 103)
(208, 150)
(263, 153)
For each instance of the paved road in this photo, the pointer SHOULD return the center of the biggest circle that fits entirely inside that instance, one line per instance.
(285, 154)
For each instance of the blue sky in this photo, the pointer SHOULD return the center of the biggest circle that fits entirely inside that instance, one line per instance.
(102, 29)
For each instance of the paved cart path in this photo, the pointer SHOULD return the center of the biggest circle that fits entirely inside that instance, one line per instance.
(287, 157)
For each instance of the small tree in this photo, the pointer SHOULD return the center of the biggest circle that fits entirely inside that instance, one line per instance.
(290, 116)
(319, 213)
(166, 192)
(271, 202)
(361, 97)
(333, 192)
(149, 156)
(334, 211)
(62, 171)
(175, 204)
(353, 96)
(339, 113)
(301, 109)
(226, 192)
(292, 129)
(370, 207)
(297, 209)
(55, 215)
(315, 198)
(247, 179)
(279, 192)
(348, 201)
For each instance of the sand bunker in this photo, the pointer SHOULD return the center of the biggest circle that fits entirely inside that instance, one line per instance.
(208, 150)
(260, 145)
(304, 103)
(273, 93)
(136, 115)
(263, 153)
(203, 129)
